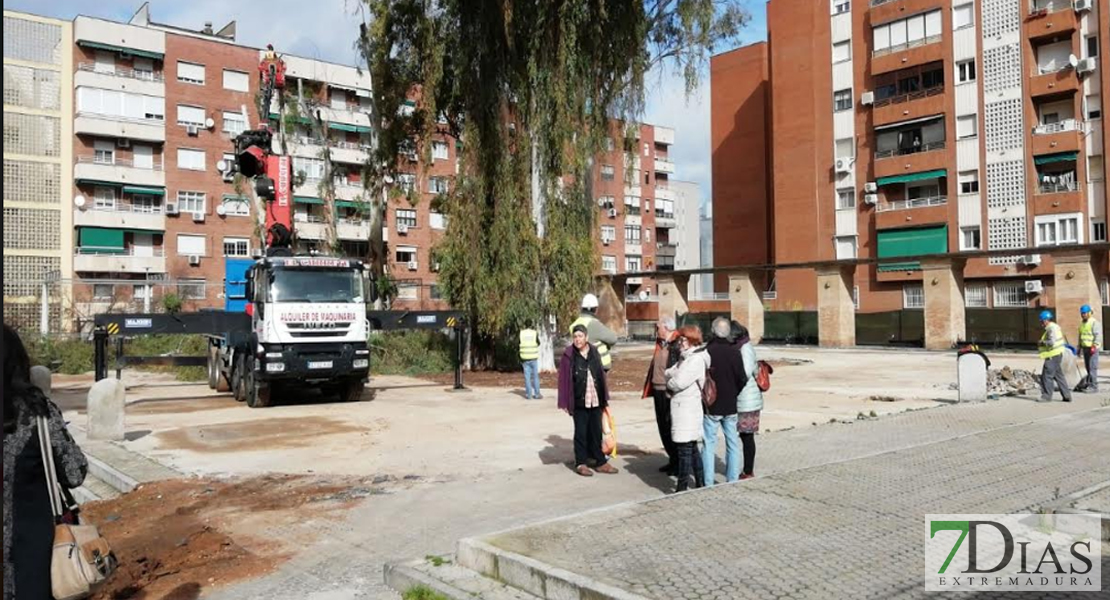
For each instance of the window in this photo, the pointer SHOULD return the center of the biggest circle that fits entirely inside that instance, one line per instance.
(845, 148)
(845, 198)
(607, 172)
(111, 103)
(139, 291)
(437, 220)
(1104, 291)
(237, 207)
(965, 71)
(841, 6)
(971, 238)
(191, 289)
(234, 123)
(143, 68)
(236, 81)
(104, 152)
(143, 156)
(191, 202)
(1095, 169)
(437, 185)
(631, 205)
(609, 264)
(975, 295)
(1010, 294)
(188, 245)
(608, 233)
(845, 246)
(910, 31)
(190, 115)
(406, 217)
(913, 296)
(1056, 230)
(190, 72)
(237, 246)
(1098, 230)
(967, 126)
(439, 151)
(190, 159)
(1094, 106)
(406, 181)
(1092, 46)
(103, 291)
(842, 51)
(963, 16)
(405, 254)
(633, 264)
(313, 168)
(855, 296)
(842, 100)
(632, 234)
(104, 198)
(969, 182)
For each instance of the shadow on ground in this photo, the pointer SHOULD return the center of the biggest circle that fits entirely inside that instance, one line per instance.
(637, 461)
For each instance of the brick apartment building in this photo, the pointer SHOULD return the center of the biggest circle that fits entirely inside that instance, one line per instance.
(889, 128)
(155, 108)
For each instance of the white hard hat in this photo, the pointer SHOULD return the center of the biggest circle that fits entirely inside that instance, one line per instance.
(589, 301)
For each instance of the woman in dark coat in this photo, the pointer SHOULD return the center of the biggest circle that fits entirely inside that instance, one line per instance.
(28, 520)
(583, 394)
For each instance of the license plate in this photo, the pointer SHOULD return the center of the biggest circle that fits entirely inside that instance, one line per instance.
(319, 364)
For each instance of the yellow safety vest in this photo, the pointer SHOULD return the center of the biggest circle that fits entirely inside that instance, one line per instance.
(529, 345)
(602, 349)
(1058, 347)
(1087, 333)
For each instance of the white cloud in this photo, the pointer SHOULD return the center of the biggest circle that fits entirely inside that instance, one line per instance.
(668, 105)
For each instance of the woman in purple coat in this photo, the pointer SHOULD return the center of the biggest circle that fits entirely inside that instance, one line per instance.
(583, 394)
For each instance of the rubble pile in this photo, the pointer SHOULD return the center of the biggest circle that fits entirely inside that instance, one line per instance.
(1012, 382)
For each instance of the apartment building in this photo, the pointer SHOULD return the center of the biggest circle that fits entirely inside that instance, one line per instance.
(38, 121)
(890, 128)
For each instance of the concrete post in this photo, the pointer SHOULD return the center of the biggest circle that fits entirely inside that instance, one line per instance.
(945, 323)
(836, 312)
(44, 310)
(611, 309)
(1076, 285)
(746, 303)
(672, 294)
(106, 410)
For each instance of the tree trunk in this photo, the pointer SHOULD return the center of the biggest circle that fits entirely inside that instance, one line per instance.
(545, 328)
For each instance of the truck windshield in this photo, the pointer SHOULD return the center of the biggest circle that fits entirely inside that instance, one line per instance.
(316, 285)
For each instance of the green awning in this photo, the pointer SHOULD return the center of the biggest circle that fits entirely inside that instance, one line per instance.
(99, 182)
(302, 120)
(131, 51)
(350, 204)
(894, 243)
(351, 128)
(307, 200)
(146, 191)
(410, 102)
(1045, 159)
(908, 177)
(95, 239)
(912, 265)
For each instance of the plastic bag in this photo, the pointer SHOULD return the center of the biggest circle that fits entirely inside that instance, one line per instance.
(608, 434)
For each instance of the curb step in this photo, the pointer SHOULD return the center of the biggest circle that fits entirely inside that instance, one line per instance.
(94, 489)
(450, 580)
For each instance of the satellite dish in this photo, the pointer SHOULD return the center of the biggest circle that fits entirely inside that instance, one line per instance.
(79, 201)
(1073, 60)
(210, 123)
(221, 165)
(221, 210)
(643, 295)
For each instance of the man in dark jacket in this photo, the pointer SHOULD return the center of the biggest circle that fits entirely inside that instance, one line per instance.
(728, 374)
(665, 356)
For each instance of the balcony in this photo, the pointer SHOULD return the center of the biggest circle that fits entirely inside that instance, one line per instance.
(119, 171)
(147, 130)
(1056, 187)
(663, 192)
(914, 203)
(119, 37)
(665, 220)
(665, 249)
(910, 105)
(664, 135)
(909, 54)
(663, 165)
(313, 228)
(1050, 18)
(348, 191)
(1062, 136)
(92, 259)
(930, 147)
(123, 214)
(353, 230)
(108, 77)
(348, 152)
(1050, 82)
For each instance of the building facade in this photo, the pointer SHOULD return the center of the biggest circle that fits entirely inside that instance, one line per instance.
(687, 231)
(38, 162)
(890, 128)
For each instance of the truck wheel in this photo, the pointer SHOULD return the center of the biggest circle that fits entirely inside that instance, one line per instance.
(238, 384)
(213, 370)
(351, 391)
(258, 394)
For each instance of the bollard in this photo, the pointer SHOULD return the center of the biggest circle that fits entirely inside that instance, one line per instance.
(41, 378)
(459, 358)
(119, 358)
(106, 410)
(971, 376)
(100, 353)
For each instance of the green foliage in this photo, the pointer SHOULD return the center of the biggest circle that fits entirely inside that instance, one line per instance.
(411, 353)
(172, 303)
(422, 592)
(74, 356)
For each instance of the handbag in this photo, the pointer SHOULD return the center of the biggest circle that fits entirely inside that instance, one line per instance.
(763, 373)
(709, 389)
(608, 434)
(82, 560)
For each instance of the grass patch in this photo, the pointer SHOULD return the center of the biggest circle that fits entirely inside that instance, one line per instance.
(436, 561)
(412, 353)
(422, 592)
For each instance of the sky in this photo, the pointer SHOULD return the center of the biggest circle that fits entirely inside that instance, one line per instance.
(326, 29)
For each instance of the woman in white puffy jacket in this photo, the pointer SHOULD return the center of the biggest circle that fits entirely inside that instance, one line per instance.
(685, 381)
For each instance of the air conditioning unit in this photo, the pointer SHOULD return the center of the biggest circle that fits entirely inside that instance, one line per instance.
(194, 260)
(229, 177)
(870, 187)
(1087, 65)
(871, 199)
(867, 98)
(198, 217)
(1031, 259)
(843, 165)
(605, 241)
(123, 143)
(612, 213)
(171, 208)
(1034, 286)
(193, 130)
(402, 228)
(413, 265)
(1082, 5)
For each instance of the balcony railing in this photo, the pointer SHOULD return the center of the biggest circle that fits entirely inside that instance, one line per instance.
(156, 120)
(875, 3)
(117, 162)
(345, 145)
(1058, 127)
(914, 203)
(630, 210)
(110, 251)
(659, 214)
(912, 150)
(154, 76)
(1043, 8)
(1037, 72)
(917, 95)
(126, 205)
(906, 46)
(1057, 187)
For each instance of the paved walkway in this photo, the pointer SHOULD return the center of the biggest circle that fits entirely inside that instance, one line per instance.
(828, 503)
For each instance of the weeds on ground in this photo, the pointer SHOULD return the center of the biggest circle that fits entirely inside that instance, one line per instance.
(422, 592)
(74, 356)
(411, 353)
(436, 561)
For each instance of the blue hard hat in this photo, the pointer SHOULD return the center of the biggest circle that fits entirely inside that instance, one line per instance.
(1046, 315)
(1085, 309)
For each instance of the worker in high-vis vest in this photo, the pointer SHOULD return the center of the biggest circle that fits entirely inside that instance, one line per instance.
(600, 335)
(1052, 348)
(530, 359)
(1090, 342)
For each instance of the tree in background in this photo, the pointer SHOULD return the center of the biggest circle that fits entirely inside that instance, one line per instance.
(532, 88)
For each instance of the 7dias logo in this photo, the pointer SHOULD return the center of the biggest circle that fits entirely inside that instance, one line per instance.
(1014, 553)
